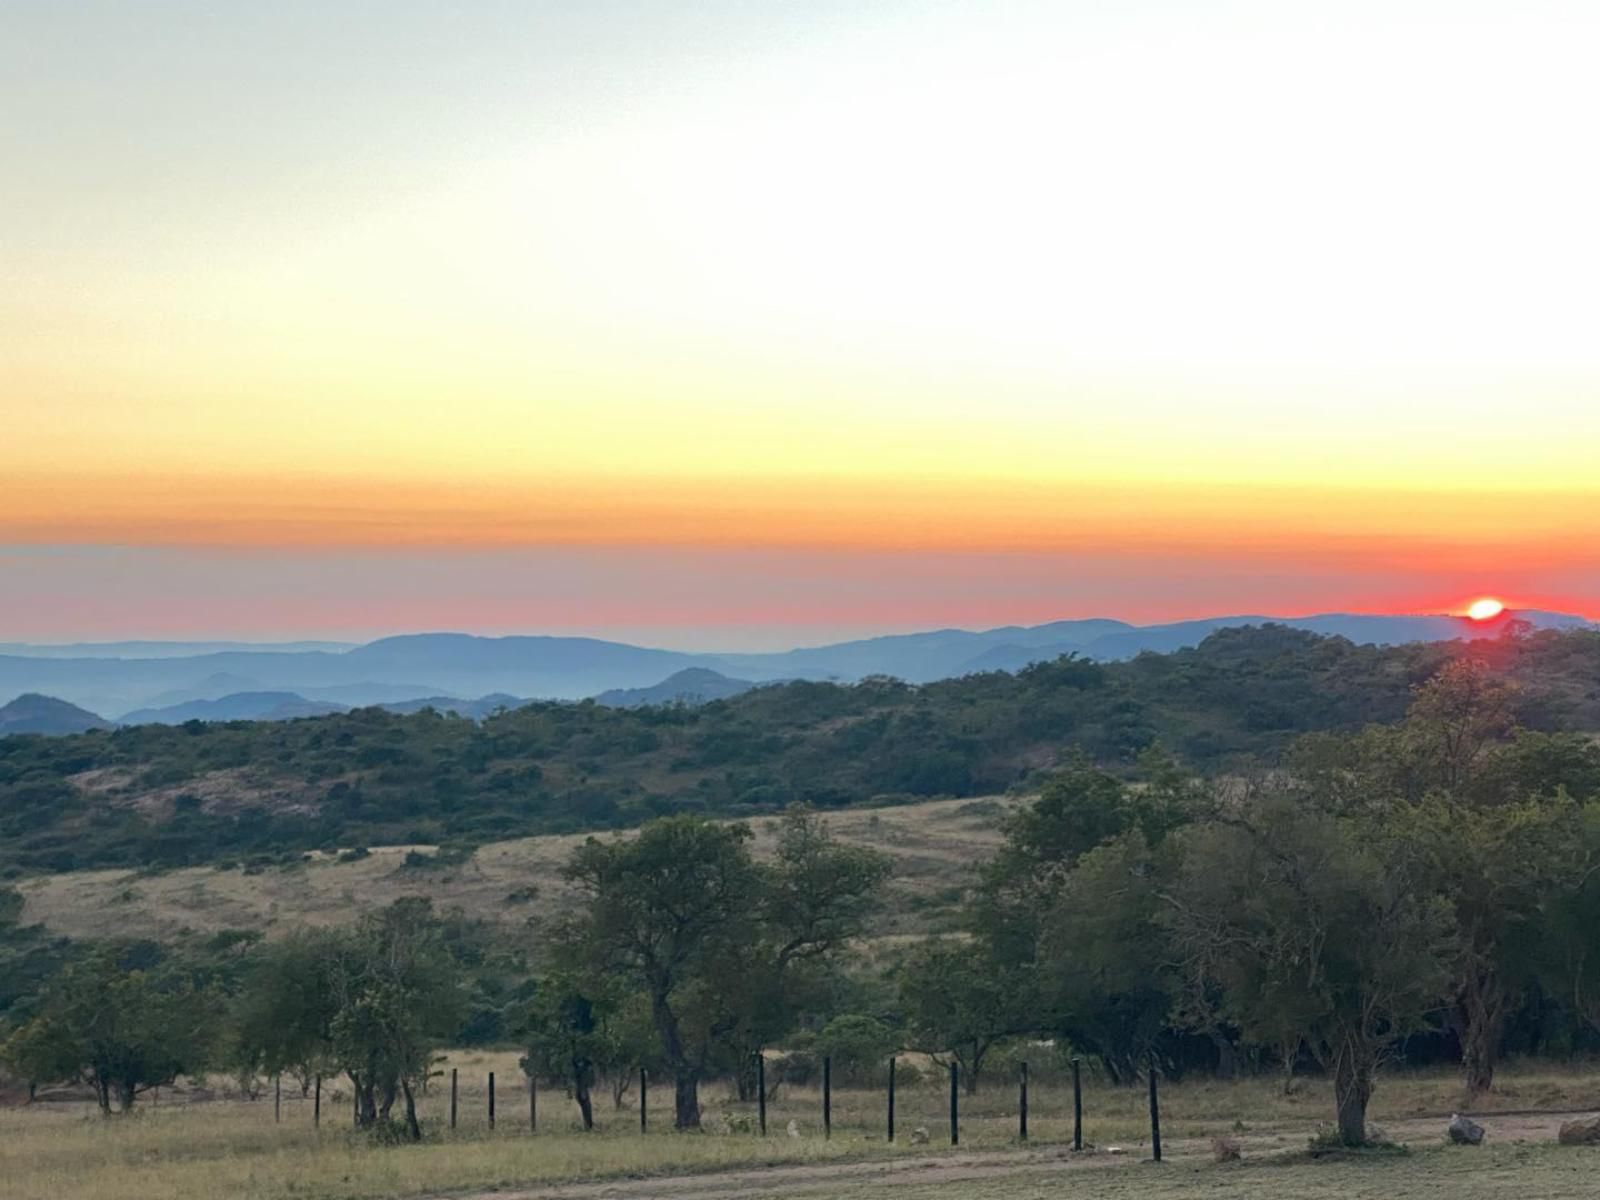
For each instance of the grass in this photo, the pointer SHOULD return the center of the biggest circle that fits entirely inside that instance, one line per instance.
(182, 1148)
(933, 845)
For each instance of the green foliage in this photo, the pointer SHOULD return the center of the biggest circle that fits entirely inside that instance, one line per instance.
(371, 777)
(960, 1001)
(122, 1026)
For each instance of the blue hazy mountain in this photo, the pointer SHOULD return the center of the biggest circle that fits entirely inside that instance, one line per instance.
(241, 706)
(427, 667)
(33, 713)
(696, 685)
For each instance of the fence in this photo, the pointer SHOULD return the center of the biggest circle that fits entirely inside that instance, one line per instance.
(891, 1100)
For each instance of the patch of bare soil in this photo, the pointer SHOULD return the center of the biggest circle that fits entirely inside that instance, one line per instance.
(802, 1179)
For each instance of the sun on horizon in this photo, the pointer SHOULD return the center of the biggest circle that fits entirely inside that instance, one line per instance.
(1485, 609)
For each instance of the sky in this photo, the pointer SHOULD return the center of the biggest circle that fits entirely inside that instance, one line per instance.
(740, 324)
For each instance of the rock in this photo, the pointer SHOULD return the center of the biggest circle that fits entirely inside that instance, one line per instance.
(1464, 1131)
(919, 1136)
(1115, 1150)
(1582, 1132)
(794, 1128)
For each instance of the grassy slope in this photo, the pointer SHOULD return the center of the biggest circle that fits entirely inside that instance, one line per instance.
(934, 846)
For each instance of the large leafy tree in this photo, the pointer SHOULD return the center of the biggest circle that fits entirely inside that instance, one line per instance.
(122, 1025)
(1308, 923)
(395, 999)
(665, 911)
(724, 949)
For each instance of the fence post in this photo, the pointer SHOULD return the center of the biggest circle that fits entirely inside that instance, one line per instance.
(1077, 1105)
(277, 1099)
(355, 1102)
(891, 1097)
(316, 1104)
(491, 1101)
(533, 1105)
(827, 1096)
(761, 1090)
(955, 1117)
(1155, 1114)
(644, 1100)
(453, 1073)
(1022, 1109)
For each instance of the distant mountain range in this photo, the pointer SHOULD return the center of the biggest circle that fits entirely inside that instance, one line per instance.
(178, 681)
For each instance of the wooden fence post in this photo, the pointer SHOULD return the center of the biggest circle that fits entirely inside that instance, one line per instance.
(533, 1105)
(891, 1098)
(955, 1115)
(1077, 1105)
(316, 1104)
(454, 1071)
(1022, 1108)
(827, 1096)
(1155, 1114)
(277, 1099)
(761, 1090)
(644, 1101)
(491, 1101)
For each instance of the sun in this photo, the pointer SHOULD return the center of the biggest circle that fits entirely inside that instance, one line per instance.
(1486, 609)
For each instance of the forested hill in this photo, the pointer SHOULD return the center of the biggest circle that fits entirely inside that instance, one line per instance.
(252, 791)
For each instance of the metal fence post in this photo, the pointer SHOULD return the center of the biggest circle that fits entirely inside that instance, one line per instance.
(491, 1100)
(1077, 1105)
(1155, 1114)
(827, 1096)
(891, 1098)
(1022, 1107)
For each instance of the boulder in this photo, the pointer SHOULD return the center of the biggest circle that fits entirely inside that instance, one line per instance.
(919, 1136)
(1582, 1132)
(1464, 1131)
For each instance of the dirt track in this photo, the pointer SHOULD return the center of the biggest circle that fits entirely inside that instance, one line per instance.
(959, 1167)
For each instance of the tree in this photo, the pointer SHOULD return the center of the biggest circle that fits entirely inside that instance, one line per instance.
(574, 1035)
(723, 948)
(664, 910)
(395, 1000)
(123, 1028)
(1103, 956)
(1309, 922)
(960, 1000)
(284, 1012)
(817, 894)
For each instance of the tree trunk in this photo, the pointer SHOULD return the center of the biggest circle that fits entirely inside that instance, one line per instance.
(125, 1095)
(1352, 1090)
(102, 1094)
(580, 1093)
(1227, 1060)
(1482, 1027)
(366, 1107)
(686, 1077)
(412, 1126)
(686, 1100)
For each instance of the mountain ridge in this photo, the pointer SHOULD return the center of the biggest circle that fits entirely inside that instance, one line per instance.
(404, 667)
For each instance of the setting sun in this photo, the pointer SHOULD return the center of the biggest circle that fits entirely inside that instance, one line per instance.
(1485, 609)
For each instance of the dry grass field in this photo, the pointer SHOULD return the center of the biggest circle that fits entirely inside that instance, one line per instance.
(934, 844)
(182, 1147)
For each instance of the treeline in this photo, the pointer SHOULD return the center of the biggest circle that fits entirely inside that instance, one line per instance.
(255, 793)
(1405, 891)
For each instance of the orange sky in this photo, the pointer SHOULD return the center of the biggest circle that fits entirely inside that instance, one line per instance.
(1144, 311)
